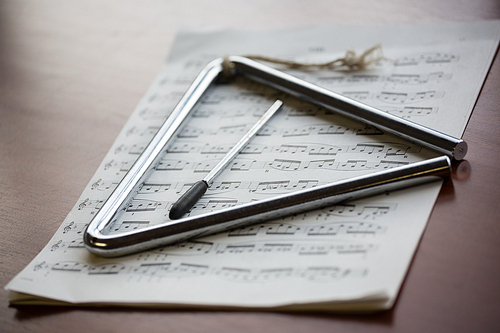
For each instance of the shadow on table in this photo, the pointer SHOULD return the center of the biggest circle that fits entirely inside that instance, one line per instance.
(31, 312)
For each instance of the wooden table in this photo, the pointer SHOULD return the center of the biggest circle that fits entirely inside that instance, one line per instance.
(71, 72)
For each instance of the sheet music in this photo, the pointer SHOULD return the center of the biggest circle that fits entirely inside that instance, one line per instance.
(351, 256)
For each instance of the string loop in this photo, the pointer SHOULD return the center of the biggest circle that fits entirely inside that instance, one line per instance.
(351, 61)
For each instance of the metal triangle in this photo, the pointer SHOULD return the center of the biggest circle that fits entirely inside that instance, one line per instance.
(178, 230)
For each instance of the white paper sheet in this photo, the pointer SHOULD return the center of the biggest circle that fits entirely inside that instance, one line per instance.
(346, 257)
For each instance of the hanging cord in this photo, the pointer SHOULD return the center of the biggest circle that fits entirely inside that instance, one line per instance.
(351, 61)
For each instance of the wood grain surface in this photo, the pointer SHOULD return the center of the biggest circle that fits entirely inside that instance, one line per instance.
(71, 73)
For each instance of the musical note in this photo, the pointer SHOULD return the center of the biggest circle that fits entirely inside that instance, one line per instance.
(292, 148)
(301, 131)
(187, 248)
(118, 167)
(212, 99)
(312, 273)
(429, 58)
(92, 204)
(151, 188)
(302, 184)
(276, 247)
(152, 268)
(170, 165)
(393, 97)
(202, 113)
(76, 243)
(341, 210)
(405, 78)
(396, 78)
(128, 225)
(268, 247)
(433, 58)
(236, 249)
(322, 164)
(353, 228)
(143, 206)
(369, 130)
(363, 228)
(390, 164)
(375, 211)
(322, 273)
(182, 148)
(182, 189)
(271, 186)
(267, 131)
(125, 166)
(357, 95)
(359, 210)
(205, 166)
(282, 229)
(309, 111)
(233, 273)
(353, 165)
(253, 148)
(106, 269)
(275, 273)
(326, 248)
(425, 95)
(323, 150)
(400, 97)
(225, 186)
(190, 132)
(191, 269)
(363, 78)
(246, 231)
(212, 204)
(69, 266)
(101, 185)
(241, 165)
(418, 78)
(220, 149)
(233, 129)
(285, 165)
(332, 129)
(368, 148)
(149, 131)
(330, 80)
(411, 111)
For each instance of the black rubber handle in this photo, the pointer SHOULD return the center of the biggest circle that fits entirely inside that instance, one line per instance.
(187, 200)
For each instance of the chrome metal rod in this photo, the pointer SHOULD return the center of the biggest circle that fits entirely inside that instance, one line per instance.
(242, 143)
(154, 151)
(260, 211)
(446, 144)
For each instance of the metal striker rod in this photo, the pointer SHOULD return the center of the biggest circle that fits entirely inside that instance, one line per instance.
(195, 192)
